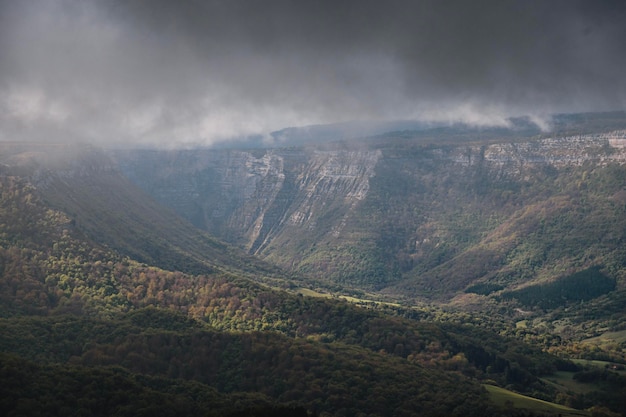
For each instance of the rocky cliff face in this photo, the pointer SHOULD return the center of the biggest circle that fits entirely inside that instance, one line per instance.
(84, 184)
(366, 216)
(248, 197)
(602, 148)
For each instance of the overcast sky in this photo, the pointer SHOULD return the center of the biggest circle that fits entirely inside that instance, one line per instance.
(171, 72)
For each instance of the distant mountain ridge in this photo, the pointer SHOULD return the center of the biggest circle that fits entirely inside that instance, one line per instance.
(426, 218)
(522, 126)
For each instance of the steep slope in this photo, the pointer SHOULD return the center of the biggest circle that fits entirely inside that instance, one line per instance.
(82, 182)
(253, 192)
(277, 204)
(418, 216)
(529, 212)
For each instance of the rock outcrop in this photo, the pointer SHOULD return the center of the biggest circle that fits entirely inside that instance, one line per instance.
(248, 197)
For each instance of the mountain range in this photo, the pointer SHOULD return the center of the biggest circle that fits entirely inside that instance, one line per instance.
(406, 215)
(396, 274)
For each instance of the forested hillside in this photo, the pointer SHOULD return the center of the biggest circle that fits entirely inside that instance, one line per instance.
(75, 311)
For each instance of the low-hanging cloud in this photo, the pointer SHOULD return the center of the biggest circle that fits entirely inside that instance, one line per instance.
(179, 73)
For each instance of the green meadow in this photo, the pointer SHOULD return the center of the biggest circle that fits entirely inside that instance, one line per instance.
(509, 399)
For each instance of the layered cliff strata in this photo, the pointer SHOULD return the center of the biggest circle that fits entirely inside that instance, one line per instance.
(246, 197)
(362, 214)
(563, 151)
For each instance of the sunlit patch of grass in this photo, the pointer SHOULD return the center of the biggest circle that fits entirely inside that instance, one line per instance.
(599, 364)
(608, 337)
(509, 399)
(310, 293)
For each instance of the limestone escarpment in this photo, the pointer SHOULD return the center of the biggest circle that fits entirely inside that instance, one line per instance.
(247, 197)
(601, 148)
(370, 216)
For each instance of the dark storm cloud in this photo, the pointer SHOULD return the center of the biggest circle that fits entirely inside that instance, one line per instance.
(184, 72)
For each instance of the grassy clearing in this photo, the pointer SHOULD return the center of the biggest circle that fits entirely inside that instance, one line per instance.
(599, 364)
(608, 337)
(564, 381)
(509, 399)
(312, 293)
(522, 324)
